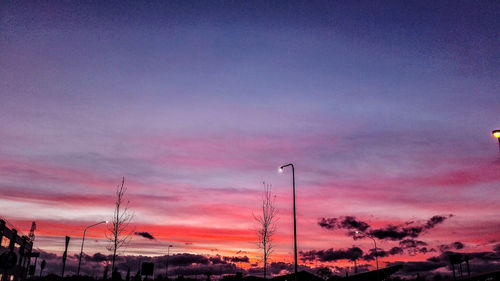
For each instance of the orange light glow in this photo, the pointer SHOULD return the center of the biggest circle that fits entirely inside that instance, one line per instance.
(496, 134)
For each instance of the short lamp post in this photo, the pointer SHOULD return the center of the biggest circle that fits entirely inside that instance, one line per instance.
(375, 243)
(83, 240)
(168, 256)
(294, 216)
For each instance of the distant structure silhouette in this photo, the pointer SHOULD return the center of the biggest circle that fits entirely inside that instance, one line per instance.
(65, 255)
(15, 253)
(31, 236)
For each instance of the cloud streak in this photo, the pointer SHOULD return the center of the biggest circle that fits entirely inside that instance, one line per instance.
(390, 232)
(330, 255)
(146, 235)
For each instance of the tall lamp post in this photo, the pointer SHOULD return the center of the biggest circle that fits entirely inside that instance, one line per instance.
(496, 134)
(375, 243)
(83, 240)
(168, 256)
(294, 216)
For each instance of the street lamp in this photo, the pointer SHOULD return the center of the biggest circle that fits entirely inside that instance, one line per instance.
(375, 243)
(168, 256)
(496, 134)
(83, 240)
(294, 217)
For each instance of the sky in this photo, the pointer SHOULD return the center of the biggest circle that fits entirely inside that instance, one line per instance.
(384, 107)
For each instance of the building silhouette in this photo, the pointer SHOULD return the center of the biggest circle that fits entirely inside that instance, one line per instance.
(15, 254)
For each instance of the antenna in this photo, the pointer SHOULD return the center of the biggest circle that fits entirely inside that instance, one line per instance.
(31, 236)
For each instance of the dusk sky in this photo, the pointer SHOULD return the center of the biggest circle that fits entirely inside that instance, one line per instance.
(385, 108)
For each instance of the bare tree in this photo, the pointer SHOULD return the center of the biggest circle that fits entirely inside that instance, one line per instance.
(266, 224)
(117, 233)
(324, 272)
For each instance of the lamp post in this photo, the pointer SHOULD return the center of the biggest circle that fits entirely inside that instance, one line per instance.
(83, 240)
(294, 216)
(168, 256)
(496, 134)
(375, 243)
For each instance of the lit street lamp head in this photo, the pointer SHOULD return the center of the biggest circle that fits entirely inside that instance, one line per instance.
(282, 167)
(496, 134)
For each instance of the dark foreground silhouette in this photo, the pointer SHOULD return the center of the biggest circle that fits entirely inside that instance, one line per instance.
(382, 274)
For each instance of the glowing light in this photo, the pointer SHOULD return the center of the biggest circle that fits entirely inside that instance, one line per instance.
(496, 134)
(280, 170)
(106, 222)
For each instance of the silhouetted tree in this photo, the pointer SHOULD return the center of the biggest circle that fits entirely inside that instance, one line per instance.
(267, 224)
(127, 277)
(137, 276)
(437, 277)
(42, 266)
(116, 276)
(105, 274)
(324, 272)
(117, 234)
